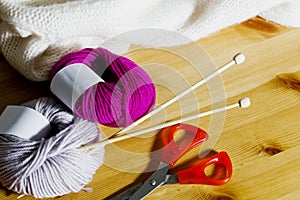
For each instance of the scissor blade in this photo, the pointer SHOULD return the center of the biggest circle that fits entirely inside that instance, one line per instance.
(128, 193)
(156, 180)
(172, 179)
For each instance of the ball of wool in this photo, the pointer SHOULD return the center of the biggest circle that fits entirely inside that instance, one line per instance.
(52, 166)
(127, 94)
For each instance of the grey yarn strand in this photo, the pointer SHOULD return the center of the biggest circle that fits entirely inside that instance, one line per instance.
(50, 167)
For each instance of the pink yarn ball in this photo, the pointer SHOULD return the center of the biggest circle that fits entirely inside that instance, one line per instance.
(127, 94)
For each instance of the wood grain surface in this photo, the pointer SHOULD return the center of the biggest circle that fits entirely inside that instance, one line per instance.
(262, 141)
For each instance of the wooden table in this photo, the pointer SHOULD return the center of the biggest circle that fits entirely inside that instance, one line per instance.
(262, 140)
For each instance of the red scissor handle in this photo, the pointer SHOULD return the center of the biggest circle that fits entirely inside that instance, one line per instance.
(175, 149)
(196, 174)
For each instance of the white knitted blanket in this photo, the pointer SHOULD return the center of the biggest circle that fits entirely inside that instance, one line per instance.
(34, 34)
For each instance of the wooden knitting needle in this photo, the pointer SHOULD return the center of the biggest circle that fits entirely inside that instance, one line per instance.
(237, 59)
(21, 196)
(243, 103)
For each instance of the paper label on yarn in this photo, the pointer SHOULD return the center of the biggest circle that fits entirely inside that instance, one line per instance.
(72, 81)
(24, 122)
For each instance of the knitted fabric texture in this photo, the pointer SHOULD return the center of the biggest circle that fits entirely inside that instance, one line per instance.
(53, 166)
(35, 34)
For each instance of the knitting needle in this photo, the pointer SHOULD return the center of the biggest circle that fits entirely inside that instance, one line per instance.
(21, 196)
(243, 103)
(237, 59)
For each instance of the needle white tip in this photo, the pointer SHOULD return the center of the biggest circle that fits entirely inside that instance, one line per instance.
(239, 58)
(245, 102)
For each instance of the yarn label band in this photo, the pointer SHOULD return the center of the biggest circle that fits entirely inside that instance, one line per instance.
(72, 81)
(24, 122)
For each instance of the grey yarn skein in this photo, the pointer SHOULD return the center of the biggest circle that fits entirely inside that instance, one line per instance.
(50, 167)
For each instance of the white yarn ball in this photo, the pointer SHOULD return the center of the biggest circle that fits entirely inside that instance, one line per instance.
(50, 167)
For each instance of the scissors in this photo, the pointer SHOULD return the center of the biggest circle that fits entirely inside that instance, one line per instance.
(173, 150)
